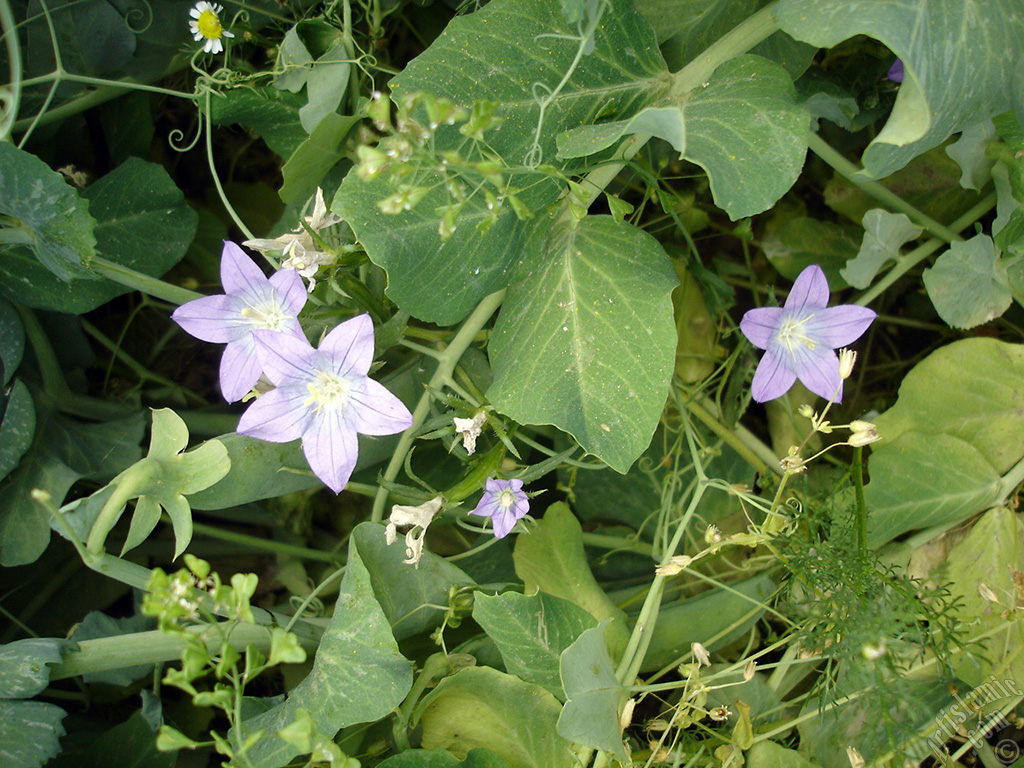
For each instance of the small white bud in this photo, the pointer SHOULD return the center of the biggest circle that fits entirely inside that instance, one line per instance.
(748, 671)
(847, 357)
(855, 757)
(700, 653)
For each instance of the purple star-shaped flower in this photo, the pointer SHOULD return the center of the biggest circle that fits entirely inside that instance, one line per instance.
(505, 503)
(324, 397)
(801, 337)
(251, 301)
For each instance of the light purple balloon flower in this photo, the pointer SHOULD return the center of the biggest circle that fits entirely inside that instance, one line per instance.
(324, 397)
(251, 301)
(801, 337)
(896, 71)
(505, 503)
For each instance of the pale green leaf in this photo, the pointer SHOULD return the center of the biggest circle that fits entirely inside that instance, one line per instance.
(442, 758)
(661, 122)
(25, 665)
(292, 61)
(969, 153)
(169, 435)
(482, 707)
(144, 520)
(591, 715)
(30, 733)
(770, 754)
(308, 165)
(884, 234)
(922, 480)
(968, 284)
(531, 632)
(54, 221)
(358, 674)
(588, 321)
(326, 84)
(961, 61)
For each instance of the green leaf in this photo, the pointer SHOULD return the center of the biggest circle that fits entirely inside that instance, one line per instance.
(769, 754)
(802, 241)
(326, 84)
(131, 744)
(969, 389)
(268, 112)
(25, 665)
(552, 559)
(591, 715)
(358, 675)
(748, 132)
(884, 234)
(924, 480)
(969, 153)
(481, 707)
(12, 341)
(661, 122)
(94, 37)
(17, 427)
(409, 596)
(968, 284)
(30, 733)
(589, 322)
(442, 758)
(531, 631)
(142, 222)
(293, 59)
(53, 220)
(942, 92)
(308, 165)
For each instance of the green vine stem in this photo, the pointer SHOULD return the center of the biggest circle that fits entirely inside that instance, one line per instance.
(858, 489)
(141, 282)
(446, 362)
(10, 96)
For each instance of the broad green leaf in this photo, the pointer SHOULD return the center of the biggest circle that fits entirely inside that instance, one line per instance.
(969, 153)
(695, 24)
(95, 37)
(922, 480)
(17, 427)
(661, 122)
(770, 754)
(142, 222)
(942, 92)
(308, 165)
(293, 59)
(326, 84)
(131, 744)
(552, 560)
(714, 618)
(591, 715)
(442, 758)
(748, 132)
(969, 389)
(989, 555)
(531, 631)
(268, 112)
(30, 733)
(25, 665)
(482, 707)
(12, 341)
(358, 675)
(413, 598)
(968, 284)
(802, 241)
(588, 321)
(884, 234)
(47, 215)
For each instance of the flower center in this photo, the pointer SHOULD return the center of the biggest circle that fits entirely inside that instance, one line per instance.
(792, 333)
(269, 316)
(209, 25)
(328, 390)
(506, 499)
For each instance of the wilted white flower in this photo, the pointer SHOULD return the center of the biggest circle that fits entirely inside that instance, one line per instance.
(418, 518)
(470, 430)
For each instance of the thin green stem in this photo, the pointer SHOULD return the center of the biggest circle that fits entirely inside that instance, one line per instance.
(446, 362)
(269, 545)
(10, 96)
(877, 190)
(216, 178)
(858, 489)
(142, 282)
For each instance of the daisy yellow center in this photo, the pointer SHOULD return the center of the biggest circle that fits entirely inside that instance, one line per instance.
(791, 333)
(269, 316)
(506, 499)
(328, 390)
(209, 25)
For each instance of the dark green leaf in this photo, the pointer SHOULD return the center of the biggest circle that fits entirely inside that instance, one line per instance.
(12, 341)
(25, 665)
(17, 427)
(271, 114)
(306, 168)
(30, 733)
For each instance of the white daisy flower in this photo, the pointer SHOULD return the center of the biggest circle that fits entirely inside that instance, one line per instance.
(205, 25)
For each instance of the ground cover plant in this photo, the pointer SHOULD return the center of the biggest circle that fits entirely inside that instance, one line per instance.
(512, 384)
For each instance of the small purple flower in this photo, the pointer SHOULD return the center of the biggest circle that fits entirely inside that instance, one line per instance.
(801, 337)
(896, 71)
(505, 503)
(323, 396)
(250, 302)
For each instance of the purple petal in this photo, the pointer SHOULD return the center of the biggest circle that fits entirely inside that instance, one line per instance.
(503, 522)
(840, 326)
(289, 286)
(239, 369)
(279, 416)
(284, 358)
(819, 372)
(896, 71)
(495, 486)
(515, 485)
(238, 273)
(809, 291)
(759, 325)
(350, 346)
(331, 449)
(772, 378)
(377, 411)
(212, 318)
